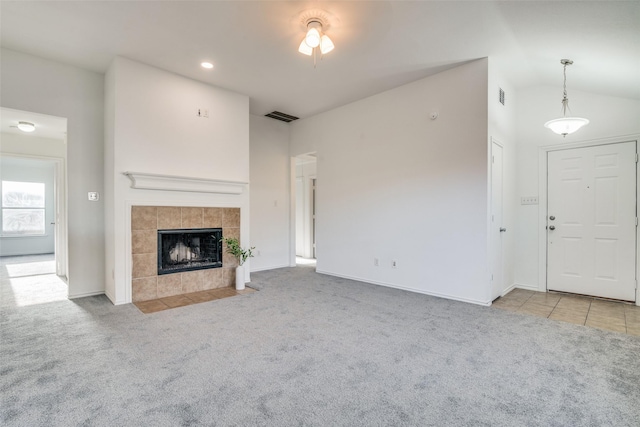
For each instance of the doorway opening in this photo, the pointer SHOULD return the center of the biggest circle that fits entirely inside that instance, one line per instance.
(305, 208)
(33, 224)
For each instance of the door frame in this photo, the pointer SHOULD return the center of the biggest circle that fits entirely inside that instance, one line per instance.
(61, 247)
(491, 225)
(542, 201)
(307, 201)
(312, 217)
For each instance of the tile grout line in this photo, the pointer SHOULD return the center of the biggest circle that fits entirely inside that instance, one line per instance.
(525, 301)
(554, 307)
(588, 311)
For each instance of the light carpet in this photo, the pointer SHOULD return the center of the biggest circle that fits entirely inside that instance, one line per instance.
(313, 350)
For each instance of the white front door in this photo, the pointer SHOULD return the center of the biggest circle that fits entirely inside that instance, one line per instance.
(497, 281)
(591, 221)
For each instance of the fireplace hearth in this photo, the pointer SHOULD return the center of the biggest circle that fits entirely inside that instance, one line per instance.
(189, 249)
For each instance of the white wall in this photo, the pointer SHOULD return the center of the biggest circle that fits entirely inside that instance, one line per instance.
(151, 127)
(31, 145)
(38, 85)
(270, 192)
(502, 128)
(30, 170)
(108, 198)
(610, 117)
(395, 185)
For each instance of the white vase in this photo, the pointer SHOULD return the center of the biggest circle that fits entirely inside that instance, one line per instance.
(239, 277)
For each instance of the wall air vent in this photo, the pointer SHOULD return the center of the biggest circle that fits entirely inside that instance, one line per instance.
(501, 96)
(281, 116)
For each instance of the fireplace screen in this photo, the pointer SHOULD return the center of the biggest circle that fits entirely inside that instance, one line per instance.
(186, 250)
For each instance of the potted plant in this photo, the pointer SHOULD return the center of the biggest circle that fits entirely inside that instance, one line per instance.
(234, 248)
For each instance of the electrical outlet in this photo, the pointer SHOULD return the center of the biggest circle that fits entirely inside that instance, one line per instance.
(376, 262)
(529, 200)
(394, 264)
(93, 196)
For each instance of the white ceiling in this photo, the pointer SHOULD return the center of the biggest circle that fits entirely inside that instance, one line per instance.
(379, 44)
(46, 126)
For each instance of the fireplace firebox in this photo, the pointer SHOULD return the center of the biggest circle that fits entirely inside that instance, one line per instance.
(189, 249)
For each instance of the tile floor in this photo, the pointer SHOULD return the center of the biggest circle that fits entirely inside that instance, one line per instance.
(153, 306)
(580, 310)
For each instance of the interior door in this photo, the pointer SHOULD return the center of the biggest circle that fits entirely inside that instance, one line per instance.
(591, 221)
(497, 281)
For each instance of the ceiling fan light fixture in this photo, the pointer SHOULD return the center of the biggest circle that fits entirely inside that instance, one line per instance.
(305, 48)
(26, 126)
(315, 42)
(313, 34)
(326, 45)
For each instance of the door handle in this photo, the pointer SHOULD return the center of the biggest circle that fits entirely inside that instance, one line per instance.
(552, 227)
(502, 229)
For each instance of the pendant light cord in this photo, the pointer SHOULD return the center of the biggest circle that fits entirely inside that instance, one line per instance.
(565, 100)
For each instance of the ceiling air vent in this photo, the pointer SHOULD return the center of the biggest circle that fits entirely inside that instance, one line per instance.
(281, 116)
(501, 96)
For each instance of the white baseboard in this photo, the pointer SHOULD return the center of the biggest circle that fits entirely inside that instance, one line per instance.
(527, 287)
(270, 268)
(113, 300)
(509, 289)
(404, 288)
(87, 294)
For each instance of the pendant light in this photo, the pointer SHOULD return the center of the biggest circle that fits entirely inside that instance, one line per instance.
(566, 125)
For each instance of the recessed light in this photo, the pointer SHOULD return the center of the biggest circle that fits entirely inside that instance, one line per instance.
(207, 65)
(26, 126)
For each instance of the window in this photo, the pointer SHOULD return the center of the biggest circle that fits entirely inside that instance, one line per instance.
(22, 208)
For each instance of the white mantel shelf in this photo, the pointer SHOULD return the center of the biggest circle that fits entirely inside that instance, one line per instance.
(148, 181)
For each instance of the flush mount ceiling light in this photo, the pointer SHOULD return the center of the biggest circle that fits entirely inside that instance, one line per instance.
(207, 65)
(315, 38)
(26, 126)
(566, 125)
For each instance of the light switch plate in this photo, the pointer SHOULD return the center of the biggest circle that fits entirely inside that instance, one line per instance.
(93, 196)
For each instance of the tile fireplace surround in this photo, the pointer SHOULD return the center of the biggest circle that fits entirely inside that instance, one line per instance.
(145, 223)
